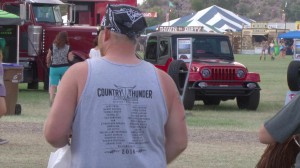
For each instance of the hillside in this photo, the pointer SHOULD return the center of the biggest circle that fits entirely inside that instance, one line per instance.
(258, 10)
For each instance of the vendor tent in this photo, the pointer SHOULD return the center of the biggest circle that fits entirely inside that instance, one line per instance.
(7, 18)
(213, 18)
(9, 35)
(290, 35)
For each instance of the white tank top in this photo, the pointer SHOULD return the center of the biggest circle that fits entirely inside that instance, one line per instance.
(120, 118)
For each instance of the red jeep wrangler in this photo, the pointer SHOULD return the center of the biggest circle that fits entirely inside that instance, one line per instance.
(203, 68)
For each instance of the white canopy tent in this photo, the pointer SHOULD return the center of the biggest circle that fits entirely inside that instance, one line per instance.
(213, 18)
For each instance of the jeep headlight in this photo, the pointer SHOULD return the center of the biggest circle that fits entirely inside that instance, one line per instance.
(205, 73)
(240, 73)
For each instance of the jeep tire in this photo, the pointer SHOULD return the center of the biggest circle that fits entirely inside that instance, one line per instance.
(33, 85)
(293, 76)
(18, 109)
(249, 102)
(178, 72)
(189, 99)
(211, 101)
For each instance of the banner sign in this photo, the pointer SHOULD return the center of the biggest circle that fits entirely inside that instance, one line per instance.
(150, 14)
(180, 28)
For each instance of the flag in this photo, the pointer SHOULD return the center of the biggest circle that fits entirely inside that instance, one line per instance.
(171, 5)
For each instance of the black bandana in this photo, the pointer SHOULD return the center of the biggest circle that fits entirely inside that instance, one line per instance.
(124, 19)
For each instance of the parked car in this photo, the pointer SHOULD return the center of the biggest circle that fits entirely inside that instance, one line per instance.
(203, 68)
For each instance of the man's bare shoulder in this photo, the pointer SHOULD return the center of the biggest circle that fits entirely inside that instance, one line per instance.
(163, 75)
(167, 82)
(78, 67)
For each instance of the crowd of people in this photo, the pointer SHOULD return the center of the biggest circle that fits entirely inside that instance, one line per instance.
(269, 48)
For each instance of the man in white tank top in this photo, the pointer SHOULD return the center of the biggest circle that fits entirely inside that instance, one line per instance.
(120, 110)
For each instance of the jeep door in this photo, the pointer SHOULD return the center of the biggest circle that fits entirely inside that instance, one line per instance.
(158, 52)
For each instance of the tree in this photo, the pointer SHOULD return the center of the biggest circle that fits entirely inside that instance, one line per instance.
(198, 4)
(161, 16)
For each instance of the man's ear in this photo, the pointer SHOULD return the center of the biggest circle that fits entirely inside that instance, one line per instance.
(107, 34)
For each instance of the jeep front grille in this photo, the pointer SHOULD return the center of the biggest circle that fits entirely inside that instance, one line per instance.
(223, 73)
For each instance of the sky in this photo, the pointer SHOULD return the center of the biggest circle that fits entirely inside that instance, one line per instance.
(140, 1)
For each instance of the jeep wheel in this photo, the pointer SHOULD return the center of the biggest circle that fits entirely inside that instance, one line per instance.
(293, 76)
(178, 71)
(33, 85)
(189, 99)
(18, 109)
(249, 102)
(208, 101)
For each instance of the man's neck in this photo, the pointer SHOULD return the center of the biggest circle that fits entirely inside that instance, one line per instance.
(123, 58)
(124, 55)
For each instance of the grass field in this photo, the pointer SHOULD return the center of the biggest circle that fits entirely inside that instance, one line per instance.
(219, 136)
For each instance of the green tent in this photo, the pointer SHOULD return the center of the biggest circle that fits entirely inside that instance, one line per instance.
(9, 36)
(7, 18)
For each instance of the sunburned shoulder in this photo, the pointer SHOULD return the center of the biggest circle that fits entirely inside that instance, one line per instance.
(164, 77)
(78, 68)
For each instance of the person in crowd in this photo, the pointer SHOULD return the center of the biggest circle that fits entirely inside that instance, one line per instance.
(2, 95)
(58, 57)
(120, 110)
(279, 132)
(95, 52)
(282, 49)
(272, 50)
(264, 49)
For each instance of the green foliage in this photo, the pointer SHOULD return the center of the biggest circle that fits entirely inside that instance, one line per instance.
(201, 4)
(198, 4)
(161, 16)
(162, 8)
(292, 10)
(63, 9)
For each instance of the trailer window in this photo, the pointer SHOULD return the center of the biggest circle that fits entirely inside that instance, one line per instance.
(47, 13)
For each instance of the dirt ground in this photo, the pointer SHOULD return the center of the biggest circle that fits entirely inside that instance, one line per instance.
(204, 135)
(27, 147)
(195, 134)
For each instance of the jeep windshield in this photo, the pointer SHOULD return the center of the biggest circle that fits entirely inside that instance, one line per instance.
(204, 47)
(47, 13)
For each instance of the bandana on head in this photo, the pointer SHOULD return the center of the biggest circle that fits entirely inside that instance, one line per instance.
(124, 19)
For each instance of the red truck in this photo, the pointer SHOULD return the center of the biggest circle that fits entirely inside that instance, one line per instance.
(42, 21)
(90, 12)
(203, 67)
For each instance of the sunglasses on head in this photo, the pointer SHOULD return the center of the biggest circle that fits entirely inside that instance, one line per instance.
(103, 27)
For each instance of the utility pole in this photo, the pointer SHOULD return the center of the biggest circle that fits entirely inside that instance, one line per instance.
(285, 16)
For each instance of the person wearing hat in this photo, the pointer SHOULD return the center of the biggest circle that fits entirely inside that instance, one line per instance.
(2, 94)
(121, 111)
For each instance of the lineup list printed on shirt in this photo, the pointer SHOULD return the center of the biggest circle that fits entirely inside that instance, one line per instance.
(124, 133)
